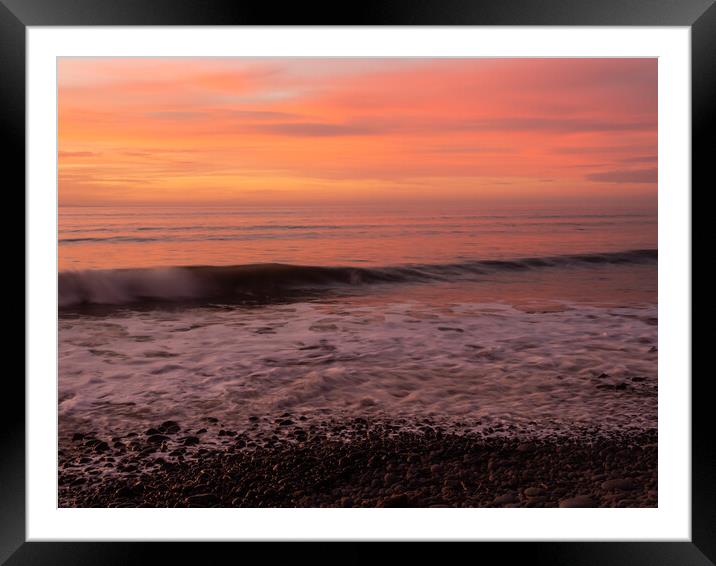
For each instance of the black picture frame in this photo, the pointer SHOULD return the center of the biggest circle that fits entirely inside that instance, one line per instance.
(17, 15)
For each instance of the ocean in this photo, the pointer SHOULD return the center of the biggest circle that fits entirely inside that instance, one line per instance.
(504, 320)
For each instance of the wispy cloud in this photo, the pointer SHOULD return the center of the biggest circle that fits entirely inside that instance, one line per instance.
(318, 129)
(625, 176)
(77, 153)
(557, 124)
(354, 126)
(640, 159)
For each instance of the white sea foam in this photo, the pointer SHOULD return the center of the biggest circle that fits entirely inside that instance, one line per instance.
(460, 361)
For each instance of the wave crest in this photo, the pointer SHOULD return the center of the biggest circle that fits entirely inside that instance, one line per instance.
(239, 282)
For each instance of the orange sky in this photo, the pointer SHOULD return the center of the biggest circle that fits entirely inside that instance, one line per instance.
(252, 131)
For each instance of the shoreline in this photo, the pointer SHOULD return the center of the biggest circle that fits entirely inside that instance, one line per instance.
(356, 463)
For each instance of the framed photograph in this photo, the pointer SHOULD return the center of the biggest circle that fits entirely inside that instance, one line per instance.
(418, 274)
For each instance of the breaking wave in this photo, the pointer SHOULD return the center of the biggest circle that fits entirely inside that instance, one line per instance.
(260, 281)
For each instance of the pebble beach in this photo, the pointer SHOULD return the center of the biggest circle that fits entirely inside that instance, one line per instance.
(358, 463)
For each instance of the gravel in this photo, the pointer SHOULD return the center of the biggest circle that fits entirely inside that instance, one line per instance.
(355, 463)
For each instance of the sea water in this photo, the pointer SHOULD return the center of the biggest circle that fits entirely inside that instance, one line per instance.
(533, 319)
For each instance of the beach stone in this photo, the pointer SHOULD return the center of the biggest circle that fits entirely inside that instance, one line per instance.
(471, 459)
(157, 438)
(620, 484)
(101, 447)
(170, 427)
(578, 501)
(349, 468)
(202, 500)
(390, 479)
(127, 491)
(506, 499)
(396, 501)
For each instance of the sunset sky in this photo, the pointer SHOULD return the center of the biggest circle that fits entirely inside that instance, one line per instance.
(254, 131)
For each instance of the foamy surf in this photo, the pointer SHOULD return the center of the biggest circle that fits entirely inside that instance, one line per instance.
(478, 364)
